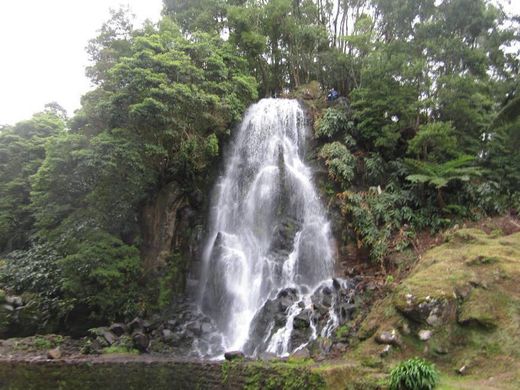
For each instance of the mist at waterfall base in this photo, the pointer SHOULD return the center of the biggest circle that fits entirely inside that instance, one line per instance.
(268, 263)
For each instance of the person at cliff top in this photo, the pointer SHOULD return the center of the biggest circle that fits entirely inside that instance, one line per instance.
(333, 95)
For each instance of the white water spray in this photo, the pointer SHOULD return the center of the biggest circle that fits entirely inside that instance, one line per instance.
(268, 230)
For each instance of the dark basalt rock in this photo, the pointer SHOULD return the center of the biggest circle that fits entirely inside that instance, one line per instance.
(234, 355)
(331, 297)
(141, 341)
(118, 329)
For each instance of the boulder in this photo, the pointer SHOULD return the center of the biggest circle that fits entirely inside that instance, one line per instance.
(433, 312)
(301, 354)
(234, 355)
(54, 354)
(302, 320)
(14, 301)
(109, 337)
(140, 341)
(136, 325)
(118, 329)
(425, 335)
(167, 335)
(389, 338)
(267, 356)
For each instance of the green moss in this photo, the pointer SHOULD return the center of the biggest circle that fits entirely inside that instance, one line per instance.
(485, 308)
(476, 277)
(120, 349)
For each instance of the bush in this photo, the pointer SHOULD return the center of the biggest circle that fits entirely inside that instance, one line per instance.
(340, 163)
(334, 121)
(414, 374)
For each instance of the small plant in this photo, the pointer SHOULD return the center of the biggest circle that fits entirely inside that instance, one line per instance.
(120, 349)
(414, 374)
(42, 343)
(343, 331)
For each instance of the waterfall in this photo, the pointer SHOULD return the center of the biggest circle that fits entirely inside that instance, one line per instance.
(268, 233)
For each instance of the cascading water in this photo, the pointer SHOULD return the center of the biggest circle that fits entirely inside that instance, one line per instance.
(269, 241)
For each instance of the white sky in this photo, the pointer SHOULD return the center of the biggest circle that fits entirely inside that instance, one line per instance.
(42, 50)
(42, 46)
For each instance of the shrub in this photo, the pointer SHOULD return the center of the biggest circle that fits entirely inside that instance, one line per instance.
(334, 121)
(340, 163)
(414, 374)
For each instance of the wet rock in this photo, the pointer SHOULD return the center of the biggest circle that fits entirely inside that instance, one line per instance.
(206, 328)
(302, 320)
(301, 354)
(389, 338)
(118, 329)
(14, 301)
(109, 337)
(425, 335)
(195, 328)
(54, 354)
(234, 355)
(267, 356)
(167, 335)
(171, 324)
(140, 341)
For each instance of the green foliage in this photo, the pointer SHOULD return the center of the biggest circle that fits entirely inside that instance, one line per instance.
(440, 175)
(376, 215)
(340, 162)
(101, 273)
(119, 349)
(413, 374)
(42, 343)
(421, 79)
(434, 142)
(331, 123)
(22, 151)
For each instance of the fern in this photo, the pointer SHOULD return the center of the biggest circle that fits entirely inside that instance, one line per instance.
(414, 374)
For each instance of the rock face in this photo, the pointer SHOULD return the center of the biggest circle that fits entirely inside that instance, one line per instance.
(184, 332)
(234, 355)
(389, 338)
(430, 311)
(296, 317)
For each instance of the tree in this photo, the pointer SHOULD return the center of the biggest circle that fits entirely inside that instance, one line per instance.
(439, 175)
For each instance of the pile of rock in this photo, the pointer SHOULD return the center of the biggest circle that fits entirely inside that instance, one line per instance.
(184, 332)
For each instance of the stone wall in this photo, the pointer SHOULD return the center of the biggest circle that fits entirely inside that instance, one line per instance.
(152, 374)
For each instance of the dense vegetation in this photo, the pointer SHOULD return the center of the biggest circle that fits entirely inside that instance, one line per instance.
(427, 133)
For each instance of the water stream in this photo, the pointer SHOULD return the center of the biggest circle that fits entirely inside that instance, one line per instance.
(269, 239)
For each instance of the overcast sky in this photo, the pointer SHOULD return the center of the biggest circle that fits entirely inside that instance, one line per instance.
(42, 45)
(43, 56)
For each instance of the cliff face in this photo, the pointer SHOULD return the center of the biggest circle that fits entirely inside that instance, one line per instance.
(160, 220)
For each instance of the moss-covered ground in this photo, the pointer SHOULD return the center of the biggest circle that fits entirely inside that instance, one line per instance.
(476, 278)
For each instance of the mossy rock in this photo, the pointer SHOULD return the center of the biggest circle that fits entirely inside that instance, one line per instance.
(484, 308)
(474, 282)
